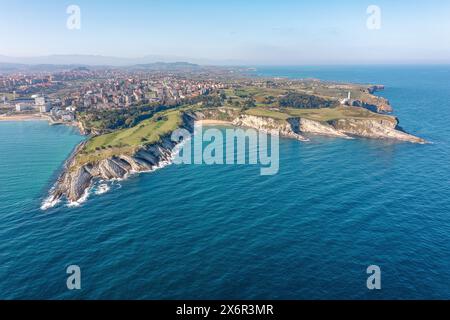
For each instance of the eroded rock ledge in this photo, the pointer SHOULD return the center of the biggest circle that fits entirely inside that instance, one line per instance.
(298, 127)
(74, 181)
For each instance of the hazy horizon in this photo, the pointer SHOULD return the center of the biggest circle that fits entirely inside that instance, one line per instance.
(116, 61)
(230, 33)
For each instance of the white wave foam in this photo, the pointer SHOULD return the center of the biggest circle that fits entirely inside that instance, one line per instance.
(83, 199)
(49, 203)
(103, 188)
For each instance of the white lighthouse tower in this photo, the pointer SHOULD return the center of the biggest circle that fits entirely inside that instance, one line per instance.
(346, 102)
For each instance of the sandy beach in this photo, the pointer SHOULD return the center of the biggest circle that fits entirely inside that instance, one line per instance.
(23, 117)
(212, 122)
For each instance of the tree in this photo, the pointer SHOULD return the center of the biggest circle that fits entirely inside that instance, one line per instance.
(250, 103)
(304, 101)
(269, 100)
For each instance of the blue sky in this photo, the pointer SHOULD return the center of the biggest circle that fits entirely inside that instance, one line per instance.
(256, 32)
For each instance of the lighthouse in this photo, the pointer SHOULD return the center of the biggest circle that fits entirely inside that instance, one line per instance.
(346, 102)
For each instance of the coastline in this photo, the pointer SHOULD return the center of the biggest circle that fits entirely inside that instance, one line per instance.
(213, 122)
(41, 117)
(74, 180)
(24, 117)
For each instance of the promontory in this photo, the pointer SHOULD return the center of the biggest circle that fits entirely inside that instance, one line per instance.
(141, 142)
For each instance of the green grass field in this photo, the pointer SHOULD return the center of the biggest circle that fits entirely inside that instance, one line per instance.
(322, 115)
(269, 113)
(127, 141)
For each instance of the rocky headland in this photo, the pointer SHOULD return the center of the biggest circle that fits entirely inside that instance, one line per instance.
(335, 110)
(76, 179)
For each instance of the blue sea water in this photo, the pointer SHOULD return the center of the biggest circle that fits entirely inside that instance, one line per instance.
(225, 232)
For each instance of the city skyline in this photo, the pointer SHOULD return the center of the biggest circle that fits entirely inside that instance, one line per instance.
(266, 33)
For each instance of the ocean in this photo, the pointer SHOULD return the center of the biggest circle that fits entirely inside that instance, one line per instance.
(226, 232)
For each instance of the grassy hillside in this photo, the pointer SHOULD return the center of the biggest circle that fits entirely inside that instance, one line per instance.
(126, 141)
(270, 113)
(322, 115)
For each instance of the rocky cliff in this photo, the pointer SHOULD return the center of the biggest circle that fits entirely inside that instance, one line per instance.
(320, 128)
(374, 129)
(286, 128)
(75, 180)
(296, 128)
(374, 104)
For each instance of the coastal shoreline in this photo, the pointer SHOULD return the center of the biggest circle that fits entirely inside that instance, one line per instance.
(24, 117)
(212, 122)
(41, 117)
(75, 179)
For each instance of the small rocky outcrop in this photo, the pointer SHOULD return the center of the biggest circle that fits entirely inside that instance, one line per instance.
(375, 88)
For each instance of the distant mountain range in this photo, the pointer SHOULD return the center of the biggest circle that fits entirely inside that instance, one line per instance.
(58, 63)
(98, 60)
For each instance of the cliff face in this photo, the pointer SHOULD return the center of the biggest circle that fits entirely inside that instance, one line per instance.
(289, 128)
(375, 88)
(374, 129)
(343, 128)
(320, 128)
(76, 180)
(374, 103)
(378, 105)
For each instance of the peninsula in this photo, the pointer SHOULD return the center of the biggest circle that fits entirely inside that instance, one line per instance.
(292, 109)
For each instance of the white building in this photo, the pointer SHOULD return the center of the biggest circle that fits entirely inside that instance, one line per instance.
(39, 101)
(41, 105)
(20, 107)
(45, 108)
(68, 117)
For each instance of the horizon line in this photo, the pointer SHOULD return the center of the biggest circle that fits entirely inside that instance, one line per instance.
(169, 59)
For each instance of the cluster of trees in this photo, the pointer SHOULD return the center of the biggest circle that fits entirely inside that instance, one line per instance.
(248, 104)
(119, 145)
(241, 94)
(113, 119)
(212, 101)
(269, 100)
(304, 101)
(106, 120)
